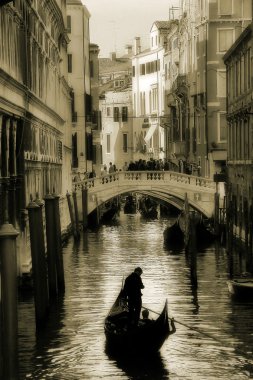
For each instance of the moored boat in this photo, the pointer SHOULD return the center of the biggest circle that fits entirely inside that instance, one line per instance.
(148, 336)
(130, 205)
(173, 236)
(148, 208)
(241, 287)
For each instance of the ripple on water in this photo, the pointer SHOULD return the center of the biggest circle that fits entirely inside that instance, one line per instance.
(210, 325)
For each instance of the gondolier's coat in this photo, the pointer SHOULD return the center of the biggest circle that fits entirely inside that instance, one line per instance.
(133, 286)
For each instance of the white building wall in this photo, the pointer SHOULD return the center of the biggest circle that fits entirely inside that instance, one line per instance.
(116, 129)
(79, 78)
(144, 86)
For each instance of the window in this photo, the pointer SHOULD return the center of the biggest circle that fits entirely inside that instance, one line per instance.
(142, 69)
(225, 7)
(154, 99)
(221, 83)
(133, 71)
(108, 111)
(89, 144)
(246, 139)
(91, 69)
(108, 143)
(68, 24)
(69, 63)
(125, 142)
(115, 113)
(225, 39)
(222, 127)
(198, 131)
(142, 103)
(124, 113)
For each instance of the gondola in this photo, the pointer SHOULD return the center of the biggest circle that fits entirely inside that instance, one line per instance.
(130, 205)
(173, 236)
(241, 287)
(147, 337)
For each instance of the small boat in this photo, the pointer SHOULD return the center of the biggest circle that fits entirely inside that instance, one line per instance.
(109, 212)
(148, 208)
(130, 205)
(147, 337)
(173, 236)
(241, 287)
(204, 236)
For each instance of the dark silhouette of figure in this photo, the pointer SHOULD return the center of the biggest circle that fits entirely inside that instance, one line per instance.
(132, 291)
(145, 316)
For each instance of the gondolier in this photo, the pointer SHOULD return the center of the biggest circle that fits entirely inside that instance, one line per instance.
(146, 337)
(132, 291)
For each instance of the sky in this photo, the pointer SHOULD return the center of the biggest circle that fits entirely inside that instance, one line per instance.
(115, 23)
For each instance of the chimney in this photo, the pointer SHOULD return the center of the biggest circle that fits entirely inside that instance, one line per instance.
(137, 45)
(128, 49)
(113, 56)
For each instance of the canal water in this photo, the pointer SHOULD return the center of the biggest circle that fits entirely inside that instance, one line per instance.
(214, 337)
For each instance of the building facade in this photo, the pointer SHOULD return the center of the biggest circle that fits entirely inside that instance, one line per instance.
(95, 117)
(218, 24)
(115, 104)
(34, 112)
(148, 94)
(117, 133)
(238, 61)
(79, 79)
(195, 81)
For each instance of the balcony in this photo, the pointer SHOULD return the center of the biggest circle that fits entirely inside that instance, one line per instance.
(94, 119)
(146, 123)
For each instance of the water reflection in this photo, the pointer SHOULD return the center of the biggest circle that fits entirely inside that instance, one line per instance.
(150, 367)
(212, 342)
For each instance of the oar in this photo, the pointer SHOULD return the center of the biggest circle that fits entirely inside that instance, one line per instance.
(183, 324)
(244, 353)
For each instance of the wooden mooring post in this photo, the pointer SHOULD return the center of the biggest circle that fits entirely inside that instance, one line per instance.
(192, 248)
(51, 245)
(59, 257)
(72, 218)
(251, 238)
(216, 213)
(229, 228)
(85, 207)
(8, 303)
(39, 264)
(76, 216)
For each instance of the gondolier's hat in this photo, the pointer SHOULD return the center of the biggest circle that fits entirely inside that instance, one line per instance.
(138, 270)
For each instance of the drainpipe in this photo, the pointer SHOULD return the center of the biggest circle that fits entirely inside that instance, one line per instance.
(84, 67)
(206, 116)
(158, 105)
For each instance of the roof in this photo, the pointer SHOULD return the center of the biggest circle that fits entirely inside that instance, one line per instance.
(163, 24)
(74, 2)
(245, 34)
(106, 65)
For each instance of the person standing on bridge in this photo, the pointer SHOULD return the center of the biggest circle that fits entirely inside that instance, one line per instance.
(132, 290)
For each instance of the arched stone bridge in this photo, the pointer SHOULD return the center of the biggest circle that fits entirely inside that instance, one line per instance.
(167, 186)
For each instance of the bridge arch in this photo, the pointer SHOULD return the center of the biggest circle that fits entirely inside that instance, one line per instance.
(167, 186)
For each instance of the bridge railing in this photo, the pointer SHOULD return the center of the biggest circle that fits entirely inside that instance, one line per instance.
(143, 176)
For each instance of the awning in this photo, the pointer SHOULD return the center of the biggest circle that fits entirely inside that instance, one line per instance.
(150, 132)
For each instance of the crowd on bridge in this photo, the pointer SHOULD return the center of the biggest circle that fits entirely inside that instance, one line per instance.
(180, 166)
(152, 164)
